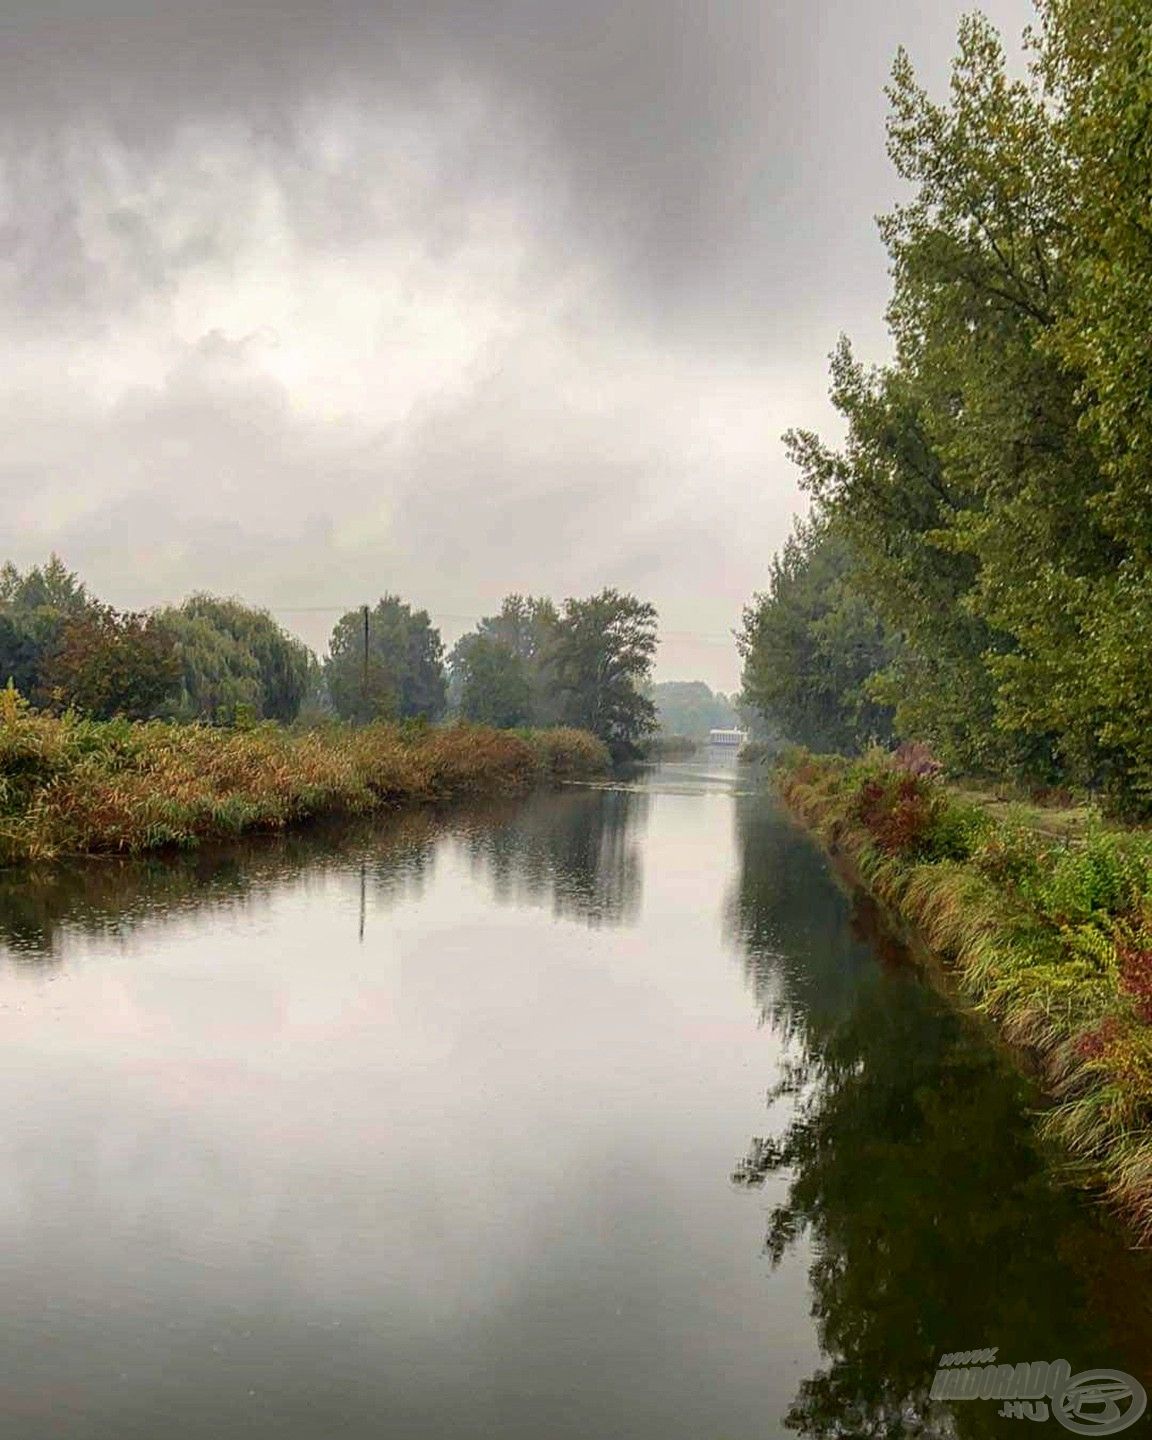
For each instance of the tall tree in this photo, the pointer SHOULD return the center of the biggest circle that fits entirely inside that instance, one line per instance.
(812, 647)
(963, 483)
(493, 681)
(235, 655)
(34, 606)
(106, 664)
(501, 672)
(602, 659)
(397, 674)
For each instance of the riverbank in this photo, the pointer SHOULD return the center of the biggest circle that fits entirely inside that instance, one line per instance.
(81, 787)
(1048, 934)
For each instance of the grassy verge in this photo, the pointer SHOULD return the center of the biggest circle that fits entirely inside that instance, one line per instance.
(1050, 934)
(70, 786)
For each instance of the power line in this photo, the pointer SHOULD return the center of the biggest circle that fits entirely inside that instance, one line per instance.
(475, 620)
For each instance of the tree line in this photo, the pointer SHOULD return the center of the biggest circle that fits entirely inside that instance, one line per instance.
(977, 568)
(586, 663)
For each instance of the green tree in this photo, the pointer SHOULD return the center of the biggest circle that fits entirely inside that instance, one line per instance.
(399, 675)
(20, 655)
(812, 646)
(494, 687)
(602, 661)
(34, 606)
(501, 672)
(966, 483)
(236, 660)
(105, 664)
(1096, 61)
(220, 676)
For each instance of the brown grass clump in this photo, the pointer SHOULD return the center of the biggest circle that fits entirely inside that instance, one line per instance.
(70, 786)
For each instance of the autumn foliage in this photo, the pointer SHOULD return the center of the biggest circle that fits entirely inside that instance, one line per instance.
(74, 786)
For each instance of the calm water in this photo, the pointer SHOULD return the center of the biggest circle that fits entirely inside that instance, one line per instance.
(429, 1129)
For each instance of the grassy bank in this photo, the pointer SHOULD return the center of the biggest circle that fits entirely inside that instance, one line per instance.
(70, 786)
(1050, 935)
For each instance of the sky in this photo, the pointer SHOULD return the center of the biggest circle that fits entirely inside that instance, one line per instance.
(446, 298)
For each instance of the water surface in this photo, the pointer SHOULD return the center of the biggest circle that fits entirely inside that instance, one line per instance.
(434, 1128)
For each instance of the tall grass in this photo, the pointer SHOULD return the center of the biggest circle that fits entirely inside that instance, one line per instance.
(70, 786)
(1052, 938)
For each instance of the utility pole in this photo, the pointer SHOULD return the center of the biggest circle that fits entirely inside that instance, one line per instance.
(364, 676)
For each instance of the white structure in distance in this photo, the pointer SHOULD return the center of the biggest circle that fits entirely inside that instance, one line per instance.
(727, 737)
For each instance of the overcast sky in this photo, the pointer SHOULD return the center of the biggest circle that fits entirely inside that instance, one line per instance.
(307, 302)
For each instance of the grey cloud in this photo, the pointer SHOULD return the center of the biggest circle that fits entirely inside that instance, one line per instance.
(541, 260)
(713, 151)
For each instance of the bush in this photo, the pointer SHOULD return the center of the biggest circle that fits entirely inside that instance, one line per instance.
(71, 786)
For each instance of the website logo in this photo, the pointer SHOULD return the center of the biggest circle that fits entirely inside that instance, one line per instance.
(1093, 1402)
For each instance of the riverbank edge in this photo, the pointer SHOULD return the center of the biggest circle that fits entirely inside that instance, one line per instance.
(1058, 987)
(71, 787)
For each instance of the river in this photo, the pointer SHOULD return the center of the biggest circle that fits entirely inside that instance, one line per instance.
(443, 1127)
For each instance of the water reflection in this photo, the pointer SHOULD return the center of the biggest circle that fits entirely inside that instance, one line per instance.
(576, 851)
(912, 1170)
(41, 908)
(423, 1128)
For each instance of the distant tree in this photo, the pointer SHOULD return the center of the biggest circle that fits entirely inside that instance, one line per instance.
(51, 586)
(34, 605)
(494, 688)
(689, 707)
(20, 655)
(402, 676)
(602, 662)
(501, 671)
(105, 663)
(219, 673)
(813, 648)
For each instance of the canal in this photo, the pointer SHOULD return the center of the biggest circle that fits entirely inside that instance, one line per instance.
(603, 1114)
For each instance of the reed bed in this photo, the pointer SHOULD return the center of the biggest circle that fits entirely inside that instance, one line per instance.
(70, 786)
(1050, 937)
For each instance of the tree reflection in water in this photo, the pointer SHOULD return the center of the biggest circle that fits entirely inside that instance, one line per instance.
(912, 1170)
(40, 906)
(576, 850)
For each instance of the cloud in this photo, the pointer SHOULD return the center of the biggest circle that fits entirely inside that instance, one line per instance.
(438, 297)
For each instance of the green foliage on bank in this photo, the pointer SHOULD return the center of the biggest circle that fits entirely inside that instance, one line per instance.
(70, 785)
(386, 664)
(1051, 938)
(980, 567)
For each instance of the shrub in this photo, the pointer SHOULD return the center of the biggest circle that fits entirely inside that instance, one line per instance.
(71, 786)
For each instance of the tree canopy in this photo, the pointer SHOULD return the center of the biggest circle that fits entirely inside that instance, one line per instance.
(501, 671)
(991, 489)
(587, 664)
(812, 645)
(390, 668)
(691, 708)
(236, 660)
(602, 660)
